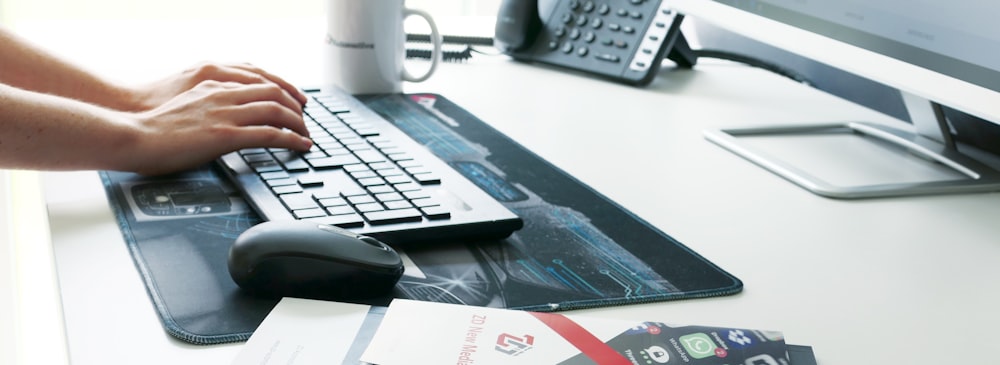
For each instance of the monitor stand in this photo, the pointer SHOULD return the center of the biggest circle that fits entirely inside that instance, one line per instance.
(854, 160)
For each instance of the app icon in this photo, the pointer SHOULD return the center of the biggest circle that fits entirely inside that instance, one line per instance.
(657, 354)
(646, 327)
(762, 359)
(698, 345)
(738, 338)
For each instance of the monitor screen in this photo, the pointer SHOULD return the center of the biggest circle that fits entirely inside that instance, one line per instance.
(944, 51)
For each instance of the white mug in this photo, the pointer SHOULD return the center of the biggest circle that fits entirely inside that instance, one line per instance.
(366, 45)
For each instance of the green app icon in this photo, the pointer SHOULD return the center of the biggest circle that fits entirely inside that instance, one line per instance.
(698, 345)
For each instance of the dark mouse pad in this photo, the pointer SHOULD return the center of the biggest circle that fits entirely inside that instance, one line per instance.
(577, 249)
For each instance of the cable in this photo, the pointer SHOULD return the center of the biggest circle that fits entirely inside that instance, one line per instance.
(456, 56)
(470, 41)
(451, 39)
(446, 56)
(754, 62)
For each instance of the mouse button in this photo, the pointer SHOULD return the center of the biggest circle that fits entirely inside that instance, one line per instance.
(372, 258)
(374, 243)
(249, 247)
(336, 230)
(291, 276)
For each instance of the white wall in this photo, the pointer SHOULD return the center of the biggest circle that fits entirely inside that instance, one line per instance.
(24, 10)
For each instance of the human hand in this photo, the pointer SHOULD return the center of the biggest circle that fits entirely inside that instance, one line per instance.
(152, 95)
(211, 119)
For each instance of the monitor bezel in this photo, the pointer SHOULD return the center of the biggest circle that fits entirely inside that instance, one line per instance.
(929, 84)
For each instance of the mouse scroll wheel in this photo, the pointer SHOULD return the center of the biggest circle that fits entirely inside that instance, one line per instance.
(374, 242)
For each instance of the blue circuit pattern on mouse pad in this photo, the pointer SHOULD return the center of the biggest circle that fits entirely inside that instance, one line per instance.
(490, 182)
(559, 249)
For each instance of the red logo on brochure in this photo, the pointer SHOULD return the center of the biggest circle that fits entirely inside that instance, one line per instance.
(514, 345)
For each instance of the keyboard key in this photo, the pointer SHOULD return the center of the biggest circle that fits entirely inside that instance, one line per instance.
(340, 209)
(349, 138)
(381, 189)
(416, 194)
(292, 161)
(407, 187)
(370, 156)
(309, 213)
(409, 163)
(367, 131)
(427, 178)
(281, 182)
(311, 180)
(343, 221)
(369, 208)
(333, 162)
(399, 157)
(356, 168)
(346, 136)
(371, 181)
(398, 204)
(314, 155)
(251, 151)
(287, 189)
(425, 202)
(338, 150)
(322, 194)
(379, 166)
(332, 202)
(413, 170)
(324, 139)
(335, 105)
(393, 171)
(361, 199)
(393, 216)
(299, 201)
(267, 166)
(363, 174)
(274, 175)
(353, 191)
(332, 148)
(393, 150)
(387, 197)
(351, 118)
(382, 143)
(359, 146)
(398, 179)
(258, 157)
(436, 212)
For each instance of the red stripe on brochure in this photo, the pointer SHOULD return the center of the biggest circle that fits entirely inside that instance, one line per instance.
(591, 346)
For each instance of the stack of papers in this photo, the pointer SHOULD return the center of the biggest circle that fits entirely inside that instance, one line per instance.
(305, 332)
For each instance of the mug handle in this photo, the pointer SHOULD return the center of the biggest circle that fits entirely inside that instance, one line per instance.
(435, 41)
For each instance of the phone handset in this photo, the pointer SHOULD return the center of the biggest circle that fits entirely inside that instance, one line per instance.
(623, 40)
(517, 25)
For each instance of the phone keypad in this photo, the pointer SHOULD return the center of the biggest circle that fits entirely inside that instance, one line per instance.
(620, 39)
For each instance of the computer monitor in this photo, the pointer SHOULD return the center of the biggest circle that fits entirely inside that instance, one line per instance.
(939, 54)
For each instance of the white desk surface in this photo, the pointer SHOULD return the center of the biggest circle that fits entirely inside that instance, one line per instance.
(904, 280)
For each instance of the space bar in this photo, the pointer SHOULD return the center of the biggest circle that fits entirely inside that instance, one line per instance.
(393, 216)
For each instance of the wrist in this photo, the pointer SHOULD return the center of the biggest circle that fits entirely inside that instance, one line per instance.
(126, 99)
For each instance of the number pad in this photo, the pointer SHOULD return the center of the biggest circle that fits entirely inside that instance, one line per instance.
(620, 39)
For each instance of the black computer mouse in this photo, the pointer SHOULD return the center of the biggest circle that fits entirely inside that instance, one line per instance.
(310, 260)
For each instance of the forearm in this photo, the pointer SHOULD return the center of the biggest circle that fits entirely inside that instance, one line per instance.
(28, 67)
(39, 131)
